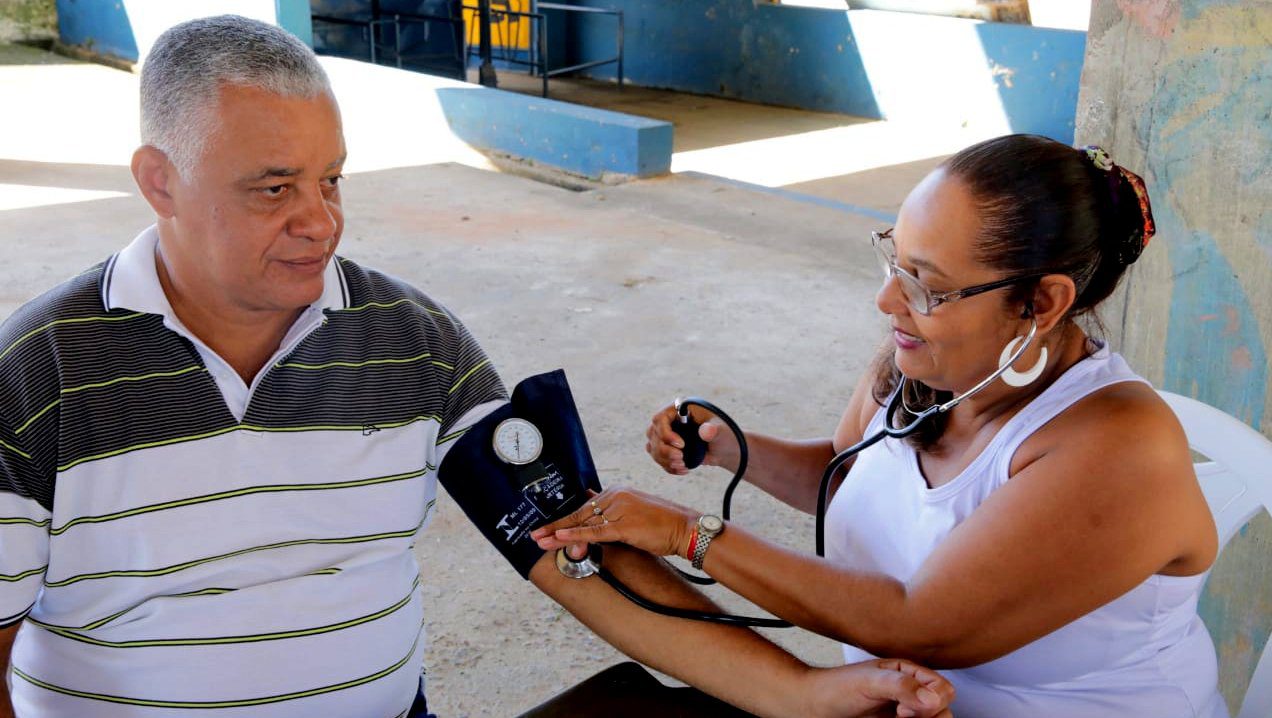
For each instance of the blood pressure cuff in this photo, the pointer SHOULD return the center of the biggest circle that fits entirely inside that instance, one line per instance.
(490, 491)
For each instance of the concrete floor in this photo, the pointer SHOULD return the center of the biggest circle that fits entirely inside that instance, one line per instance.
(869, 163)
(700, 121)
(686, 284)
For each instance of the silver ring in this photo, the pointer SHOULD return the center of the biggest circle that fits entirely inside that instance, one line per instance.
(596, 510)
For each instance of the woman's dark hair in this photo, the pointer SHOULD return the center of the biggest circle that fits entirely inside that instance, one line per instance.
(1045, 208)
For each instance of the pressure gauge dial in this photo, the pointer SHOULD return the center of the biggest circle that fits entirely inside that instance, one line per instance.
(517, 441)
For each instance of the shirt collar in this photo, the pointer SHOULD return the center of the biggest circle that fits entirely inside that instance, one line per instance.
(132, 282)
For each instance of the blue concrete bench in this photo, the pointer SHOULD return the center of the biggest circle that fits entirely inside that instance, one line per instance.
(592, 143)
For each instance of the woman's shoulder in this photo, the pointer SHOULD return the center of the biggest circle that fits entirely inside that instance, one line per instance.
(1125, 407)
(1122, 445)
(1123, 423)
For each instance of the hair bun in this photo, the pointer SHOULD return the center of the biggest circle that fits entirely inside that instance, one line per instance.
(1130, 213)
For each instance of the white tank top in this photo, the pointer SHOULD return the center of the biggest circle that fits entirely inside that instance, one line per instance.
(1143, 654)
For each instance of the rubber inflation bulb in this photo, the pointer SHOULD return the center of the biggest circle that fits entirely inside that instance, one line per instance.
(695, 448)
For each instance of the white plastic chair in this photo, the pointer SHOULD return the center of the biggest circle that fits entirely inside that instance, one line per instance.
(1237, 482)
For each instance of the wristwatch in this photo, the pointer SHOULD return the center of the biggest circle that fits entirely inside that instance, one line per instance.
(709, 527)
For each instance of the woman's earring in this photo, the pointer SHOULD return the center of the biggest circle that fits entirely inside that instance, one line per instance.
(1015, 378)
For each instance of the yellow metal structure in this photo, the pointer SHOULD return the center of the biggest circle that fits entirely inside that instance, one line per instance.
(510, 32)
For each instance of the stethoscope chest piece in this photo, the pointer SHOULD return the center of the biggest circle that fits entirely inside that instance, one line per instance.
(571, 568)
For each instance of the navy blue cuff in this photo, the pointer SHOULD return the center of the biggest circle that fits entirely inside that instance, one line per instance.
(488, 490)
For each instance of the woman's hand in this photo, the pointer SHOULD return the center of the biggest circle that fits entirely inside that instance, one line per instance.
(873, 689)
(635, 518)
(666, 446)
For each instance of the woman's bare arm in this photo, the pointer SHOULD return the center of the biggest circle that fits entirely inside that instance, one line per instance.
(1108, 500)
(789, 470)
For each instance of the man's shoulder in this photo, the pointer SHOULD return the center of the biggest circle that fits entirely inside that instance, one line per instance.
(371, 289)
(76, 300)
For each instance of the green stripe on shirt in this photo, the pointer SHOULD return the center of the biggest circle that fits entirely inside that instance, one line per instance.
(24, 520)
(145, 573)
(207, 498)
(223, 640)
(240, 703)
(56, 322)
(354, 365)
(390, 305)
(240, 427)
(12, 578)
(468, 374)
(101, 385)
(212, 591)
(14, 449)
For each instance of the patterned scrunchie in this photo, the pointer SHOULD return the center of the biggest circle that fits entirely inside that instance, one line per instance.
(1137, 238)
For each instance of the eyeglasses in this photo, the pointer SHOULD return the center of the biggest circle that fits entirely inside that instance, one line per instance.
(920, 298)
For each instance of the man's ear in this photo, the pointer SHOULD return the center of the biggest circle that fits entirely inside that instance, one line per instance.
(155, 176)
(1052, 299)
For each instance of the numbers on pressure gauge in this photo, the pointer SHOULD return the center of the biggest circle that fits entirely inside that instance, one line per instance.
(517, 441)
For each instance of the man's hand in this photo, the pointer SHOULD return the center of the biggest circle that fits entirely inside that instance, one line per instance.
(874, 689)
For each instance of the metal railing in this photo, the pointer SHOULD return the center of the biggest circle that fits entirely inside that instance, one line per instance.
(538, 51)
(373, 30)
(538, 54)
(618, 56)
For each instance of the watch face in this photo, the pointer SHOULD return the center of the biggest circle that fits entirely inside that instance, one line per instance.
(711, 524)
(517, 441)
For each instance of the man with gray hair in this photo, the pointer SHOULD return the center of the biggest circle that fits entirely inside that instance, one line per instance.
(218, 446)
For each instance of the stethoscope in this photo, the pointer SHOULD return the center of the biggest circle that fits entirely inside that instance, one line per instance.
(695, 450)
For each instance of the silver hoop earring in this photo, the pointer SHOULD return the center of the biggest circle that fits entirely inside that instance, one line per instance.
(1010, 376)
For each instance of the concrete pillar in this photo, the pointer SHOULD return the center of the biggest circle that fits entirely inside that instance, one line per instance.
(1180, 91)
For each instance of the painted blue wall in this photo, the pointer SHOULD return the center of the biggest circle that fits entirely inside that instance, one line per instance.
(125, 29)
(580, 140)
(293, 15)
(1041, 93)
(98, 26)
(901, 66)
(799, 57)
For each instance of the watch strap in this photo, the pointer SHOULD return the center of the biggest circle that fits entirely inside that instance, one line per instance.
(701, 542)
(700, 549)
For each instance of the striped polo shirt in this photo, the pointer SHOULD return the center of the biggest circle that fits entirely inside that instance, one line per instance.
(183, 544)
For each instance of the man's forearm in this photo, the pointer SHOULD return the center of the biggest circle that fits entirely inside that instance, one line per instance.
(7, 635)
(733, 664)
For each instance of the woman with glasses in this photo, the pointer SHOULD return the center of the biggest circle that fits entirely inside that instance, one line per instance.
(1046, 539)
